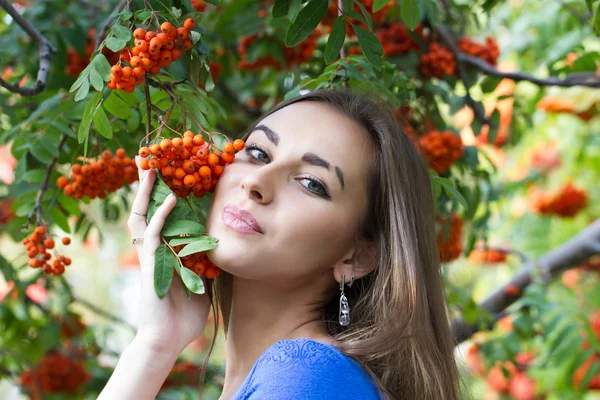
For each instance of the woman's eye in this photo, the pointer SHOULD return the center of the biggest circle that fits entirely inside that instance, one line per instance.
(250, 149)
(315, 187)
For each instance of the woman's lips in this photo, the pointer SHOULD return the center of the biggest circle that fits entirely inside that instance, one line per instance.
(240, 220)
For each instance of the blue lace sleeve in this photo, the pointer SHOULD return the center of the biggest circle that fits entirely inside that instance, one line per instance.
(304, 369)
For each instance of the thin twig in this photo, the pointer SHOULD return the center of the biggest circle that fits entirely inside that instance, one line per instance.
(342, 51)
(45, 51)
(37, 209)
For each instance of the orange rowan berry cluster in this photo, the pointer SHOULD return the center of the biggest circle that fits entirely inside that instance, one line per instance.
(100, 177)
(480, 256)
(437, 62)
(441, 149)
(188, 165)
(450, 248)
(38, 244)
(488, 52)
(152, 51)
(396, 40)
(558, 105)
(199, 263)
(76, 63)
(567, 202)
(55, 373)
(6, 212)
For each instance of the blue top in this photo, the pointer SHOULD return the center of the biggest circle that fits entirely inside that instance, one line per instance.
(304, 369)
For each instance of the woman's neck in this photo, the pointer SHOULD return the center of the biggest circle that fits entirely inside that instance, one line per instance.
(263, 313)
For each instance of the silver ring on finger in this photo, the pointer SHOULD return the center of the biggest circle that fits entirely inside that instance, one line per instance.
(137, 240)
(141, 215)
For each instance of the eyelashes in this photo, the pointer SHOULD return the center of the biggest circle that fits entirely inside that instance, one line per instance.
(321, 192)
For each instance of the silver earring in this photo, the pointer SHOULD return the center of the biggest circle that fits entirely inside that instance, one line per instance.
(344, 317)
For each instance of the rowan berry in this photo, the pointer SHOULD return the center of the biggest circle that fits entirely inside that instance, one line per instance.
(167, 171)
(139, 33)
(189, 24)
(228, 148)
(239, 144)
(116, 70)
(227, 157)
(144, 152)
(156, 43)
(183, 33)
(180, 173)
(155, 149)
(198, 140)
(135, 61)
(153, 163)
(66, 240)
(166, 145)
(213, 159)
(188, 142)
(149, 36)
(62, 181)
(187, 44)
(188, 166)
(189, 181)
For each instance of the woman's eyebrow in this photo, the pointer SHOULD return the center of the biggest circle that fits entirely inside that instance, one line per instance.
(310, 158)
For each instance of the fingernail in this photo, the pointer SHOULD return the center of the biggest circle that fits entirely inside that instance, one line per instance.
(145, 173)
(170, 196)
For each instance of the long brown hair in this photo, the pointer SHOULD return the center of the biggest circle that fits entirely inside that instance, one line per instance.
(399, 331)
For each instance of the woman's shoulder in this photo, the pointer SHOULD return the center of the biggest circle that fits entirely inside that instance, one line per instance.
(307, 369)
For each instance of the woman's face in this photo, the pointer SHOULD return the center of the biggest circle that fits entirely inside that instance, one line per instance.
(306, 188)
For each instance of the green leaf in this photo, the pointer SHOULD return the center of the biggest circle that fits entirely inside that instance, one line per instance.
(60, 219)
(101, 65)
(370, 46)
(115, 44)
(347, 5)
(192, 281)
(84, 89)
(88, 116)
(82, 77)
(103, 124)
(128, 98)
(366, 14)
(50, 144)
(409, 11)
(207, 243)
(121, 32)
(280, 8)
(336, 40)
(125, 15)
(39, 152)
(69, 204)
(195, 36)
(452, 192)
(143, 15)
(494, 127)
(379, 4)
(182, 227)
(306, 22)
(34, 175)
(164, 264)
(294, 10)
(184, 240)
(116, 106)
(134, 121)
(96, 80)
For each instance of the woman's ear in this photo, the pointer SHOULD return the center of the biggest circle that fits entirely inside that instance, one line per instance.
(361, 260)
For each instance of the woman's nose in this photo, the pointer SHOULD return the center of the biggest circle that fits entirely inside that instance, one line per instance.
(258, 185)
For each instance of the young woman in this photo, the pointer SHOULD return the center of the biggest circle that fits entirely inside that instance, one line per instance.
(331, 285)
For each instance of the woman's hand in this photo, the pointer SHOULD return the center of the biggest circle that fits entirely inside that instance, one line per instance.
(171, 323)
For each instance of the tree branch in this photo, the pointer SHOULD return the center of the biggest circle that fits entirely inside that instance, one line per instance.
(570, 254)
(577, 79)
(37, 209)
(45, 51)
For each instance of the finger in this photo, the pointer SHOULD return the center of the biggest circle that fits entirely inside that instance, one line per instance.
(136, 222)
(152, 233)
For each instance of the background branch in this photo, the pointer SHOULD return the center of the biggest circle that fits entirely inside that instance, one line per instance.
(45, 51)
(572, 253)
